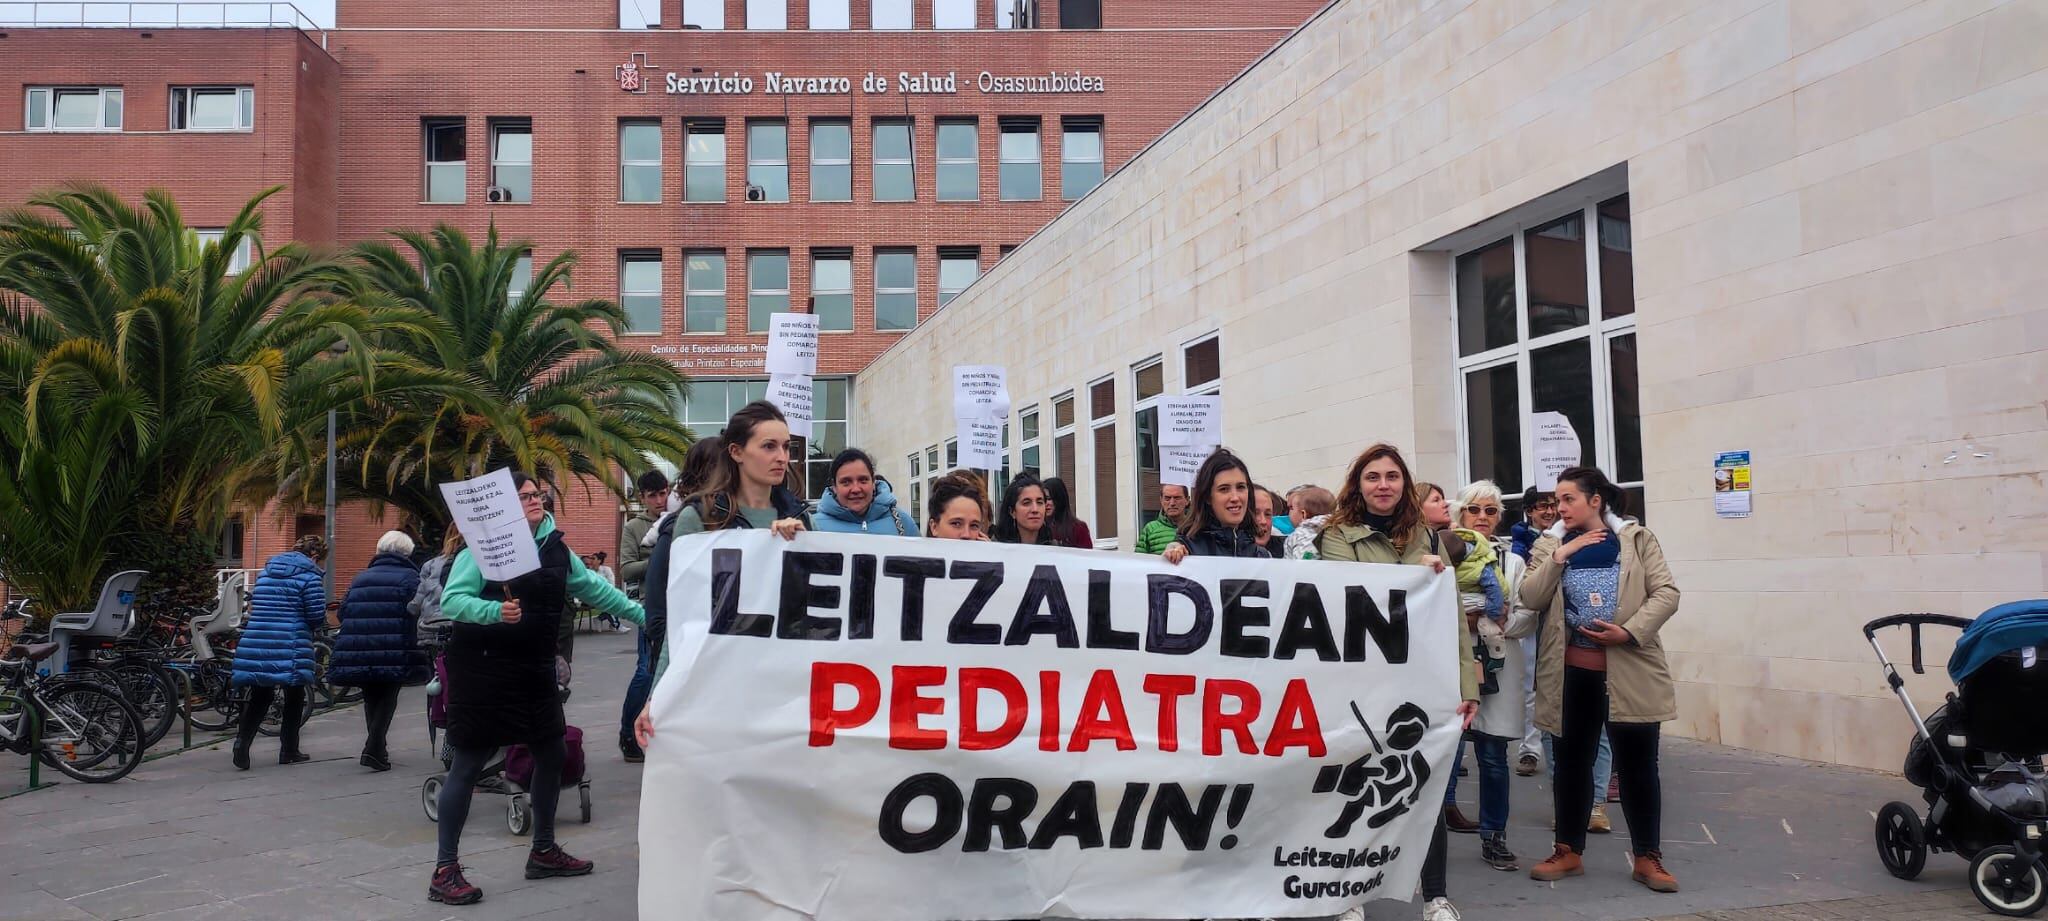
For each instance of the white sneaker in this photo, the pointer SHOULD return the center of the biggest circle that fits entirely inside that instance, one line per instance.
(1355, 913)
(1440, 910)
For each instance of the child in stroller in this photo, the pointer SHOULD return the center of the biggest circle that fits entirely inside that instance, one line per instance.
(1977, 759)
(512, 771)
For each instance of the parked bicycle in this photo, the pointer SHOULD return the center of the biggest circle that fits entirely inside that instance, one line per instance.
(79, 726)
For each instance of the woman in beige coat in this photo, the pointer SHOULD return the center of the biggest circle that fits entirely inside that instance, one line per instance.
(1604, 592)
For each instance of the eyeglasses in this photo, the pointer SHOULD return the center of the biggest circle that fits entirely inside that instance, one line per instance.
(525, 496)
(1486, 510)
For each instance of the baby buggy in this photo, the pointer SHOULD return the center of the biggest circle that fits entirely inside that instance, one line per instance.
(1977, 758)
(509, 774)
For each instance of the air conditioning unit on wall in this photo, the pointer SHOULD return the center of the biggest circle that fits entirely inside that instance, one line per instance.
(498, 193)
(756, 193)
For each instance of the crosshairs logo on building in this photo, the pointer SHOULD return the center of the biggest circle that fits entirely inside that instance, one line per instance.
(633, 74)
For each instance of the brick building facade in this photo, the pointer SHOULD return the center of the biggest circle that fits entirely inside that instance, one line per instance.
(572, 116)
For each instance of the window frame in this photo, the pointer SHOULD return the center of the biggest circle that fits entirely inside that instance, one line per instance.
(782, 163)
(521, 281)
(1139, 404)
(499, 127)
(954, 8)
(844, 8)
(753, 291)
(908, 17)
(816, 162)
(841, 254)
(908, 164)
(427, 163)
(1095, 426)
(767, 5)
(723, 292)
(971, 254)
(624, 164)
(714, 21)
(971, 164)
(1208, 387)
(1006, 127)
(879, 291)
(245, 107)
(632, 255)
(705, 127)
(1081, 124)
(238, 261)
(1067, 430)
(48, 108)
(1031, 443)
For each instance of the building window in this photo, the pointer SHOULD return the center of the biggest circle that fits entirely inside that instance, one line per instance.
(704, 292)
(640, 291)
(213, 108)
(952, 453)
(917, 488)
(1019, 175)
(712, 402)
(73, 108)
(1027, 447)
(704, 161)
(831, 14)
(1080, 14)
(521, 280)
(958, 268)
(1102, 431)
(891, 14)
(831, 160)
(238, 261)
(447, 151)
(1148, 381)
(1064, 463)
(767, 286)
(895, 289)
(704, 14)
(1201, 366)
(640, 160)
(953, 14)
(1080, 156)
(832, 289)
(772, 15)
(512, 160)
(1536, 334)
(893, 161)
(767, 161)
(1016, 14)
(959, 160)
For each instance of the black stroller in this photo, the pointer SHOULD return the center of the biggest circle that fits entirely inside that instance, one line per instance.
(1977, 758)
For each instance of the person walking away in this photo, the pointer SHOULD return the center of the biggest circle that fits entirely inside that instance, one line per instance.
(1310, 507)
(859, 501)
(1024, 517)
(1173, 509)
(1218, 524)
(633, 549)
(1486, 590)
(1068, 530)
(275, 650)
(959, 506)
(1379, 520)
(697, 466)
(502, 691)
(378, 647)
(1605, 593)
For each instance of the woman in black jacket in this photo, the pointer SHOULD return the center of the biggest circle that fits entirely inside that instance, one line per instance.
(378, 648)
(1218, 517)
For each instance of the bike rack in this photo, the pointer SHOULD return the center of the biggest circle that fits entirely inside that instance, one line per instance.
(33, 723)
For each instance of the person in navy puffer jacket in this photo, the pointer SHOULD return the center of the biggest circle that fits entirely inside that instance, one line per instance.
(276, 647)
(378, 649)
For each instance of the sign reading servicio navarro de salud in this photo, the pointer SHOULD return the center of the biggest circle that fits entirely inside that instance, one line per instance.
(636, 75)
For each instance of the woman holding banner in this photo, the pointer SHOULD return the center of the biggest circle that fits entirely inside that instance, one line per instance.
(501, 687)
(1379, 520)
(1215, 524)
(959, 507)
(1026, 515)
(1605, 592)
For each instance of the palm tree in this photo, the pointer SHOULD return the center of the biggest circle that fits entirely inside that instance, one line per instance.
(551, 392)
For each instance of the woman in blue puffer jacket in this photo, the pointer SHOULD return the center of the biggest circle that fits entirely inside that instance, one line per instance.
(276, 646)
(378, 649)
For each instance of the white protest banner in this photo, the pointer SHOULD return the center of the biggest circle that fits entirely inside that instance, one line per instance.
(488, 513)
(883, 729)
(979, 392)
(1179, 464)
(981, 443)
(1191, 422)
(1554, 446)
(793, 344)
(792, 394)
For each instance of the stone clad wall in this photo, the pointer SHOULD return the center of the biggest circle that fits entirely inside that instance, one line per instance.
(1838, 211)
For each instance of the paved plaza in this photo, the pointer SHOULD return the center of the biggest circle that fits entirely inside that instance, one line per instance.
(1751, 838)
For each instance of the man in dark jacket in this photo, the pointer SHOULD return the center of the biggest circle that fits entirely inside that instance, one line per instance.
(378, 647)
(1539, 512)
(632, 550)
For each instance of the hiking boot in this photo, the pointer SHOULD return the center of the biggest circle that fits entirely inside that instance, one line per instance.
(553, 861)
(1456, 821)
(1441, 909)
(449, 888)
(629, 748)
(1651, 873)
(1598, 823)
(1528, 766)
(1493, 848)
(1561, 863)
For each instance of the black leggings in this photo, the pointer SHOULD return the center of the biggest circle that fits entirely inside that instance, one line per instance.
(1635, 763)
(468, 768)
(1433, 884)
(380, 703)
(258, 706)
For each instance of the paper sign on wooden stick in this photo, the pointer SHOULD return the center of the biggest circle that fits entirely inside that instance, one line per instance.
(981, 443)
(792, 394)
(1191, 421)
(979, 392)
(793, 344)
(488, 512)
(1554, 446)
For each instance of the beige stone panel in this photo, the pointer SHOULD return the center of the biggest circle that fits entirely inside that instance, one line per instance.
(1866, 202)
(1699, 712)
(1874, 91)
(1823, 676)
(1796, 723)
(2015, 42)
(1991, 164)
(1872, 733)
(1985, 571)
(1817, 24)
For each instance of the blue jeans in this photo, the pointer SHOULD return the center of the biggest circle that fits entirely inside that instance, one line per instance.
(638, 689)
(1603, 765)
(1492, 753)
(1451, 789)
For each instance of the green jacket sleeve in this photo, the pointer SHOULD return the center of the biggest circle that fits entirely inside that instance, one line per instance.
(1468, 667)
(633, 556)
(591, 589)
(462, 598)
(1155, 537)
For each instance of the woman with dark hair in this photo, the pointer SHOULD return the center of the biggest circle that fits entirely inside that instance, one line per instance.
(1026, 514)
(959, 507)
(276, 648)
(697, 466)
(859, 501)
(501, 687)
(1219, 507)
(1379, 519)
(1605, 592)
(1067, 529)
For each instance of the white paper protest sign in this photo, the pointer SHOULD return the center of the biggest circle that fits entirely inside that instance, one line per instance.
(793, 394)
(1178, 464)
(1191, 421)
(1553, 445)
(488, 513)
(1049, 732)
(981, 443)
(979, 392)
(793, 344)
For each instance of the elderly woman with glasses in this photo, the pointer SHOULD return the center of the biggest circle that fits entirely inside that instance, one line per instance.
(1487, 579)
(501, 686)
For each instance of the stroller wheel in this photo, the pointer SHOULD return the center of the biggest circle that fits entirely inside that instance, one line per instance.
(430, 798)
(2005, 883)
(583, 792)
(519, 816)
(1901, 840)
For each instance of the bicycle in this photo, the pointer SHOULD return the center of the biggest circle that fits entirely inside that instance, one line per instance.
(80, 727)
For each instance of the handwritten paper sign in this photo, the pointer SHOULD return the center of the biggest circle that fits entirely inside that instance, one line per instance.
(1178, 464)
(793, 344)
(487, 512)
(1191, 422)
(979, 392)
(1554, 445)
(792, 393)
(981, 443)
